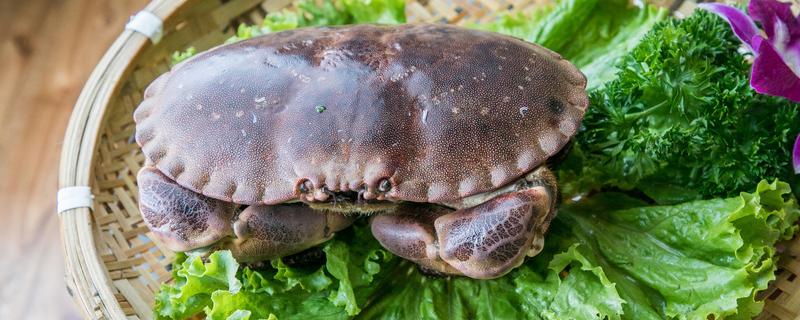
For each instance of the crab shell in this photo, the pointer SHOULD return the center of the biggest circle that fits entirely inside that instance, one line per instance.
(441, 112)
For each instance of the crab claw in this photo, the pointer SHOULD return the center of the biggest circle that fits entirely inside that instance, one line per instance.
(487, 241)
(482, 242)
(182, 219)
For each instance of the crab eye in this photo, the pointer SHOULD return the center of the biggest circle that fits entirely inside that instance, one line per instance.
(305, 186)
(384, 185)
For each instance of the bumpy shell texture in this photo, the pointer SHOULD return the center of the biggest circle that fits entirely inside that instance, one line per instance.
(440, 111)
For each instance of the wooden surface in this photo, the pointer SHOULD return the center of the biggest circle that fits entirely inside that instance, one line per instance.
(47, 50)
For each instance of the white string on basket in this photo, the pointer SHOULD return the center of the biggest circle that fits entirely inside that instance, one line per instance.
(148, 24)
(74, 197)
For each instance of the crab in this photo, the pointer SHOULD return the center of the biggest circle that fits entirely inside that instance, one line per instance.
(439, 135)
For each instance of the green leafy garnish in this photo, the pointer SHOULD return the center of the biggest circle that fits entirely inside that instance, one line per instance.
(692, 260)
(194, 281)
(179, 56)
(610, 256)
(680, 122)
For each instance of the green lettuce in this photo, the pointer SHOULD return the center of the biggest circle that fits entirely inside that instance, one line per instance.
(592, 34)
(328, 291)
(609, 256)
(691, 260)
(194, 282)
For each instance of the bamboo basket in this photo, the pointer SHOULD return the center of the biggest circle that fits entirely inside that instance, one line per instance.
(114, 264)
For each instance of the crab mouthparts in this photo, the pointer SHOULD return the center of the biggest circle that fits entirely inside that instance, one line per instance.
(356, 197)
(352, 202)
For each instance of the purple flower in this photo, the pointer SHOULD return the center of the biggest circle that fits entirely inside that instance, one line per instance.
(796, 155)
(776, 69)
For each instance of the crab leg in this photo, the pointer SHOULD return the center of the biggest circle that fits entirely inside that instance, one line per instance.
(482, 242)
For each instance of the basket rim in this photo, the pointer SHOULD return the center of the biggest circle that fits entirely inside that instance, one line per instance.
(87, 280)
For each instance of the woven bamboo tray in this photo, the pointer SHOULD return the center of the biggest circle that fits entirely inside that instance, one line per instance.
(114, 264)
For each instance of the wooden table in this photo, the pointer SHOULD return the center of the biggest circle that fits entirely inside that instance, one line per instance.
(47, 50)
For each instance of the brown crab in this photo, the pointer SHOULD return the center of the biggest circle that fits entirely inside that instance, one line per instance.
(439, 133)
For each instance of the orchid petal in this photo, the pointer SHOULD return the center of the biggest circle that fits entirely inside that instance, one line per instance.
(770, 12)
(755, 43)
(791, 55)
(782, 43)
(796, 155)
(742, 25)
(772, 76)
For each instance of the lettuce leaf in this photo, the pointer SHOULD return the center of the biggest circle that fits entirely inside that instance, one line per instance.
(608, 256)
(528, 292)
(332, 291)
(593, 34)
(692, 260)
(194, 282)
